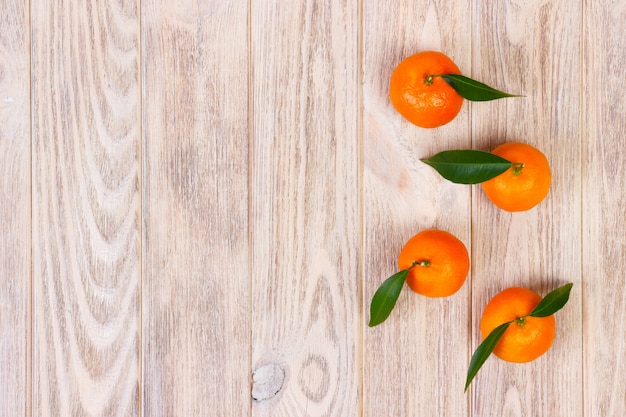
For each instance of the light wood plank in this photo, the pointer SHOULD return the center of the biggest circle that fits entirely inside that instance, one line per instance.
(415, 362)
(604, 205)
(305, 208)
(336, 188)
(86, 124)
(195, 271)
(532, 48)
(15, 208)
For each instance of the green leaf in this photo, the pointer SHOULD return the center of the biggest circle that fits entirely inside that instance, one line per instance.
(472, 89)
(386, 296)
(468, 166)
(483, 351)
(553, 302)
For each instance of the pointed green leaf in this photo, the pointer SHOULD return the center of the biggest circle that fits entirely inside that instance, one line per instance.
(483, 351)
(386, 296)
(552, 302)
(473, 90)
(468, 166)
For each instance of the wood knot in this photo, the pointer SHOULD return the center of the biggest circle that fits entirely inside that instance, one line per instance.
(314, 378)
(267, 381)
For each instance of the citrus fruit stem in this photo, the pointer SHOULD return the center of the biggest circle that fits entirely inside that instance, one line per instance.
(517, 168)
(521, 321)
(430, 78)
(425, 263)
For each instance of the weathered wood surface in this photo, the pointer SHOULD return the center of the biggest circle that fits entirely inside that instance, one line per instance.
(603, 207)
(15, 209)
(539, 249)
(196, 279)
(305, 205)
(85, 87)
(415, 361)
(199, 199)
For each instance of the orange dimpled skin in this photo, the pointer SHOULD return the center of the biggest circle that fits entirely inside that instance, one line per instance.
(439, 263)
(527, 337)
(525, 184)
(423, 98)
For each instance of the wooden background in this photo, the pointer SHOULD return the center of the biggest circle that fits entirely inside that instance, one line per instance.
(199, 198)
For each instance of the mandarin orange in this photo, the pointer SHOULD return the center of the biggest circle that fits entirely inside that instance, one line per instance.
(421, 96)
(438, 262)
(527, 337)
(525, 184)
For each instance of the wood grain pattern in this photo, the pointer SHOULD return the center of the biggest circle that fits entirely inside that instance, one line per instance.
(200, 197)
(85, 87)
(15, 208)
(305, 205)
(539, 249)
(415, 362)
(604, 205)
(195, 277)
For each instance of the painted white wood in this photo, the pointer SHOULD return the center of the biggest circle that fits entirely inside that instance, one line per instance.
(86, 208)
(532, 49)
(604, 207)
(15, 208)
(206, 194)
(305, 209)
(195, 278)
(414, 364)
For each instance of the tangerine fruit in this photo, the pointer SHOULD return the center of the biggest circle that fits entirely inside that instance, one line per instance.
(525, 184)
(438, 262)
(527, 337)
(423, 98)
